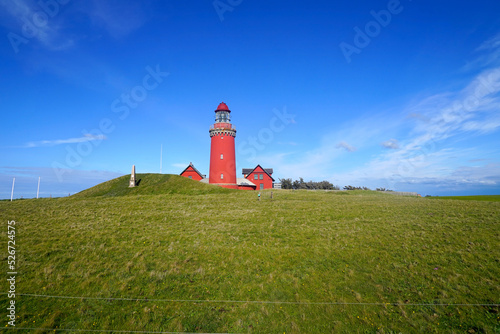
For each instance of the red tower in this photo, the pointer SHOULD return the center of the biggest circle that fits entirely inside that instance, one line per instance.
(222, 153)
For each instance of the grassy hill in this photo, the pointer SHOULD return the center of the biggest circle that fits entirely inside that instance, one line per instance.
(488, 198)
(151, 184)
(186, 257)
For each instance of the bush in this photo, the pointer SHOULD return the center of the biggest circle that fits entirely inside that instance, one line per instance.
(286, 183)
(356, 188)
(311, 185)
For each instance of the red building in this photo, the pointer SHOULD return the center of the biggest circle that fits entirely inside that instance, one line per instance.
(192, 173)
(261, 177)
(223, 159)
(222, 152)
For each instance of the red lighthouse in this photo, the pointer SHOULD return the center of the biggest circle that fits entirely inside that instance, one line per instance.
(222, 153)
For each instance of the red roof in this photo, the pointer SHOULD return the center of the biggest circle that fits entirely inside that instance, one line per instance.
(222, 107)
(268, 171)
(197, 171)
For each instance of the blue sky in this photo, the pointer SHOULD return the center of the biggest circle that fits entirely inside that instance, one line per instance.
(397, 94)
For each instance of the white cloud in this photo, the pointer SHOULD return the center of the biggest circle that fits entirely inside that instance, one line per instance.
(448, 114)
(427, 153)
(346, 146)
(329, 157)
(491, 44)
(85, 138)
(438, 118)
(391, 144)
(48, 22)
(486, 126)
(488, 55)
(27, 19)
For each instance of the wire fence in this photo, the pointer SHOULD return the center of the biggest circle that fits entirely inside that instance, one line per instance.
(251, 301)
(198, 301)
(102, 331)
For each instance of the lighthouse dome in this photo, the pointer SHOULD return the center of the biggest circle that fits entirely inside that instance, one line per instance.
(222, 107)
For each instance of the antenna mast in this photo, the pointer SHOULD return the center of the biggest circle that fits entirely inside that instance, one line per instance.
(12, 193)
(38, 189)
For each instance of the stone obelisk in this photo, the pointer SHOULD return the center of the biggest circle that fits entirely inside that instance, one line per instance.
(131, 184)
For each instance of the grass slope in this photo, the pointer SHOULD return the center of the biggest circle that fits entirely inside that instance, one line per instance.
(304, 262)
(151, 184)
(488, 198)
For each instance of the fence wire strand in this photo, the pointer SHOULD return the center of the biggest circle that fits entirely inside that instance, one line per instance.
(250, 301)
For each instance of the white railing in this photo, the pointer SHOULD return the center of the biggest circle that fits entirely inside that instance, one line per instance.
(225, 127)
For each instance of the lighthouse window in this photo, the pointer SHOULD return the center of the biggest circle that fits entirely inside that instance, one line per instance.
(222, 156)
(222, 116)
(262, 176)
(222, 176)
(255, 176)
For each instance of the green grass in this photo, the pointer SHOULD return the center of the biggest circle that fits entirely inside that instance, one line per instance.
(151, 184)
(304, 262)
(488, 198)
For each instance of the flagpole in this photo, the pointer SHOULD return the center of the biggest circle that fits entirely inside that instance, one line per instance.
(12, 193)
(38, 189)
